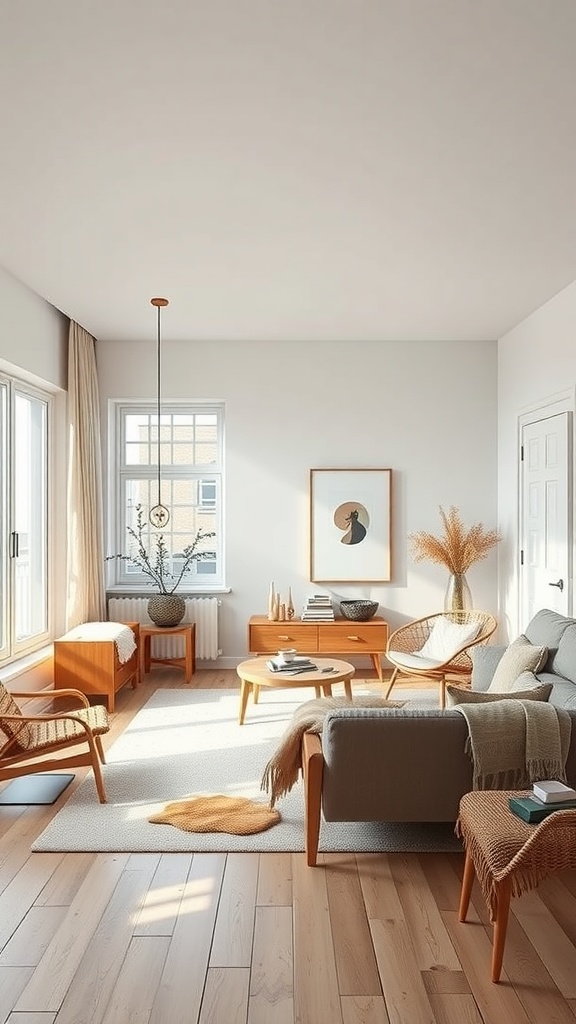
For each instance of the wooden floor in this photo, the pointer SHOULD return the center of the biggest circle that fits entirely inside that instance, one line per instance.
(261, 938)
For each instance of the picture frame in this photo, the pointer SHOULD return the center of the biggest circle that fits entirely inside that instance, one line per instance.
(350, 525)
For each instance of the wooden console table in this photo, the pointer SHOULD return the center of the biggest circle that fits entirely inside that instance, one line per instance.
(188, 662)
(343, 636)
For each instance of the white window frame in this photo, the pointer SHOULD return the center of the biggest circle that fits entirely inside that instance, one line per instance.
(118, 580)
(10, 647)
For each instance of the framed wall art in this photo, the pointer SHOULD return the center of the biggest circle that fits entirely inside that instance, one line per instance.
(350, 536)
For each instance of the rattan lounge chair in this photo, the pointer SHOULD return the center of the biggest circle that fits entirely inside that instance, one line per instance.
(404, 648)
(31, 743)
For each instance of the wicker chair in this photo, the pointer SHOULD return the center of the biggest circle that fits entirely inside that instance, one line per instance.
(28, 742)
(405, 644)
(508, 856)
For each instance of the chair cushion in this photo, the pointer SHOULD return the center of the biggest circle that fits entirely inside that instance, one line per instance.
(13, 730)
(413, 661)
(446, 638)
(520, 656)
(461, 695)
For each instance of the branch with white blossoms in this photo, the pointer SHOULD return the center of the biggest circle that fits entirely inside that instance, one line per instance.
(155, 566)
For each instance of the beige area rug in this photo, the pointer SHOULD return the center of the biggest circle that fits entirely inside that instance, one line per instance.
(185, 744)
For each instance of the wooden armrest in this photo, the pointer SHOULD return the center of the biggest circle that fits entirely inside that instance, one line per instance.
(312, 770)
(34, 694)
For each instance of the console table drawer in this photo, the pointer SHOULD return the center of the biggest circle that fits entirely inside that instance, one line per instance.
(269, 637)
(347, 637)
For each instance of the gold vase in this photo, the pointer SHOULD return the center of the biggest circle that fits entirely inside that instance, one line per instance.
(458, 597)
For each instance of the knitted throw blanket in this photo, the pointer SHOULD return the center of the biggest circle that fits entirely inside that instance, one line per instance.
(513, 743)
(281, 772)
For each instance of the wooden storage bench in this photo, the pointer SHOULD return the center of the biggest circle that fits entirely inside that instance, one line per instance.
(92, 665)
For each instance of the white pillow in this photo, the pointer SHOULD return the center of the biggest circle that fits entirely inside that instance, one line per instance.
(521, 656)
(447, 637)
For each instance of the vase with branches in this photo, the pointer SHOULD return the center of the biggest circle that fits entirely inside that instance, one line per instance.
(154, 562)
(457, 549)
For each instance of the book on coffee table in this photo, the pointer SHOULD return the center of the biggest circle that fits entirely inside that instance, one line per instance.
(296, 665)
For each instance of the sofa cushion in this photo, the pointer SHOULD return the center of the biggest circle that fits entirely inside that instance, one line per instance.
(564, 659)
(446, 638)
(547, 628)
(485, 658)
(520, 656)
(462, 695)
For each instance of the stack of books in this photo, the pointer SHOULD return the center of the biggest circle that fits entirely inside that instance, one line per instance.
(318, 608)
(298, 664)
(548, 796)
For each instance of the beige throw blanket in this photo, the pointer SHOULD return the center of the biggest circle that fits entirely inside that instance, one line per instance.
(281, 772)
(513, 743)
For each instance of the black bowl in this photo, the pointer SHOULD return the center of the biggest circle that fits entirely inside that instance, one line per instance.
(361, 611)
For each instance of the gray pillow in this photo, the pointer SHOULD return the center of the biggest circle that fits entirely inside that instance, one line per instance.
(462, 695)
(520, 656)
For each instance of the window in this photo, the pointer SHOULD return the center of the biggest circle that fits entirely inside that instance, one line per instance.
(191, 455)
(24, 419)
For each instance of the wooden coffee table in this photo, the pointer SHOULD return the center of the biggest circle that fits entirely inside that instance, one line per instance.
(255, 673)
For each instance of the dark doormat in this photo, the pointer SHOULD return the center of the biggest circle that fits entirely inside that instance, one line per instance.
(34, 789)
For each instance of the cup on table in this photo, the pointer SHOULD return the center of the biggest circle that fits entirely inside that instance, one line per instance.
(286, 655)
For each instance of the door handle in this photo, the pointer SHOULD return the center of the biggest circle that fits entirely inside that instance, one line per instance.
(560, 585)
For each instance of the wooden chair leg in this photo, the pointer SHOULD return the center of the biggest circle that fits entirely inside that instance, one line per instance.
(504, 892)
(467, 883)
(97, 769)
(100, 748)
(391, 683)
(443, 693)
(312, 769)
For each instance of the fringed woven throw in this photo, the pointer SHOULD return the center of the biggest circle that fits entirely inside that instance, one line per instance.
(513, 743)
(281, 772)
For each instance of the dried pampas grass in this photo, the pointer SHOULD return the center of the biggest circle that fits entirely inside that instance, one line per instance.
(458, 548)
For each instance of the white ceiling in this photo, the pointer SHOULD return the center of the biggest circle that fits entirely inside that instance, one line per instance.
(290, 169)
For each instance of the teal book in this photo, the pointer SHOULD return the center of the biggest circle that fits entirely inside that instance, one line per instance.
(532, 811)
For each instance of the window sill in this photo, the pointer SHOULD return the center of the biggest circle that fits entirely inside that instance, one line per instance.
(22, 666)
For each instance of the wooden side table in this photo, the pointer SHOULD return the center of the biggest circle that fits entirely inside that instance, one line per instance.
(188, 662)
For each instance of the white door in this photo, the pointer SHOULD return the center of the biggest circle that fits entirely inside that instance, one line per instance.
(545, 521)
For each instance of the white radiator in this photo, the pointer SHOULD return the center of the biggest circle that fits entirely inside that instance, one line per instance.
(201, 610)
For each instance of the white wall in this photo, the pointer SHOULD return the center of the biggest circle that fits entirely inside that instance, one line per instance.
(536, 362)
(426, 410)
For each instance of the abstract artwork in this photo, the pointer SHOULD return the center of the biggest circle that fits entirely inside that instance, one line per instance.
(350, 513)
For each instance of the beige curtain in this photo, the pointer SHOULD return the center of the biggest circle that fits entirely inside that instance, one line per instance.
(86, 597)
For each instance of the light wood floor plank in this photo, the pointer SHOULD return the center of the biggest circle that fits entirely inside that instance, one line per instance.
(355, 959)
(225, 996)
(16, 841)
(474, 948)
(31, 1018)
(13, 981)
(378, 889)
(528, 976)
(455, 1009)
(181, 987)
(444, 983)
(430, 939)
(364, 1010)
(93, 984)
(549, 940)
(232, 942)
(162, 902)
(133, 996)
(271, 984)
(443, 882)
(63, 884)
(51, 979)
(32, 938)
(316, 996)
(561, 903)
(275, 880)
(20, 894)
(404, 992)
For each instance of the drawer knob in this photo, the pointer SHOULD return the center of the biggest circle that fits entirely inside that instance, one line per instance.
(282, 636)
(353, 637)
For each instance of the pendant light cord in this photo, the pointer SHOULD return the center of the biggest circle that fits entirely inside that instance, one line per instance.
(158, 379)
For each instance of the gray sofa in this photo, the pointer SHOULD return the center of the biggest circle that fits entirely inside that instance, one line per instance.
(410, 765)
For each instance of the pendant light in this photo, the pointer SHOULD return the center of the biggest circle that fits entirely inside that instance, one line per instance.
(159, 514)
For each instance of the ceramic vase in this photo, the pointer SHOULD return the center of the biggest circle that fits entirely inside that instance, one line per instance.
(271, 601)
(289, 605)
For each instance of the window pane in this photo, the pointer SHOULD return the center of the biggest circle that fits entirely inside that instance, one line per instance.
(3, 520)
(30, 513)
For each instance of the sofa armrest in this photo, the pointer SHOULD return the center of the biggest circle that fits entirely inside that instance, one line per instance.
(484, 662)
